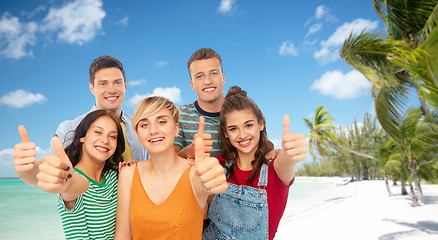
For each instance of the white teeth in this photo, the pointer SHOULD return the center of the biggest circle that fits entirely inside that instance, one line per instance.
(156, 140)
(101, 149)
(111, 98)
(245, 142)
(208, 89)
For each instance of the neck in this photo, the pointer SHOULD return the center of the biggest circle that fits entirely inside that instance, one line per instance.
(92, 169)
(164, 163)
(244, 160)
(116, 113)
(212, 107)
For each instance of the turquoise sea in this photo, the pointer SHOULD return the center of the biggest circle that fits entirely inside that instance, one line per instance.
(28, 213)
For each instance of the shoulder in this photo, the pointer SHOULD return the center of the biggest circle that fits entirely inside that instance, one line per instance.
(126, 116)
(70, 125)
(127, 172)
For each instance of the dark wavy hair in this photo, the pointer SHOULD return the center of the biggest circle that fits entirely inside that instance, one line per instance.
(74, 150)
(236, 100)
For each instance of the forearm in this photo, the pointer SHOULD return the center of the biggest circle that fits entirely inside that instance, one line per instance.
(29, 177)
(284, 167)
(75, 186)
(185, 152)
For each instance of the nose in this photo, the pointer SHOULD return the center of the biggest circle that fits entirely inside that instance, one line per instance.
(154, 128)
(208, 80)
(111, 88)
(105, 139)
(241, 133)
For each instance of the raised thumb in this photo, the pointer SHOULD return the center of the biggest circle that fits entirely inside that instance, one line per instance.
(201, 124)
(286, 124)
(23, 134)
(59, 148)
(199, 149)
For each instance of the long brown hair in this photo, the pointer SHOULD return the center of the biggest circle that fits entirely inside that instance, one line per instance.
(74, 150)
(236, 100)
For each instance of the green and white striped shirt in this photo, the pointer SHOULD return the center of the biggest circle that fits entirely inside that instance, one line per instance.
(189, 124)
(94, 213)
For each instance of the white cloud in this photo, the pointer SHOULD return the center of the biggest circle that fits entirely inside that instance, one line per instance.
(78, 21)
(15, 37)
(123, 21)
(314, 28)
(342, 86)
(276, 142)
(21, 98)
(330, 48)
(226, 6)
(173, 93)
(161, 63)
(6, 156)
(321, 11)
(7, 159)
(288, 48)
(136, 82)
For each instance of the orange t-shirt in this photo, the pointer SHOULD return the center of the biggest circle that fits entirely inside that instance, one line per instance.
(178, 217)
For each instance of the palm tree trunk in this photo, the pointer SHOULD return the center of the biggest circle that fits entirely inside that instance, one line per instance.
(385, 176)
(403, 187)
(412, 193)
(349, 150)
(413, 167)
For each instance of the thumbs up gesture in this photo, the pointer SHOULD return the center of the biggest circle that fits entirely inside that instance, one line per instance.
(293, 145)
(54, 171)
(209, 171)
(206, 138)
(24, 153)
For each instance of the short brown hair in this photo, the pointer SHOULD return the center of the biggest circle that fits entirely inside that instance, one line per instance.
(105, 62)
(202, 54)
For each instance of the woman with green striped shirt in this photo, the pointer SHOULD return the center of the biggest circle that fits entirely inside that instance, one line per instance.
(85, 176)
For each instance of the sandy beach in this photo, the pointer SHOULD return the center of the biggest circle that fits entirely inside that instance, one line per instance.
(361, 210)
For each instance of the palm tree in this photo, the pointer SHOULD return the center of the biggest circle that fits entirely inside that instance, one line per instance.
(418, 139)
(322, 135)
(403, 60)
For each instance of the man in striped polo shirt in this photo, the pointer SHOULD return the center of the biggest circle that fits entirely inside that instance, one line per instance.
(207, 79)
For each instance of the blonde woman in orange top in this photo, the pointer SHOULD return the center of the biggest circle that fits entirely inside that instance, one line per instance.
(164, 197)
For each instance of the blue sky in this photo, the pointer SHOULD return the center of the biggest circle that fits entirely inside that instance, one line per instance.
(283, 53)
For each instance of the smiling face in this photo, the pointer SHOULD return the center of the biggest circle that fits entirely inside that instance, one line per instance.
(109, 89)
(157, 132)
(100, 141)
(243, 131)
(207, 80)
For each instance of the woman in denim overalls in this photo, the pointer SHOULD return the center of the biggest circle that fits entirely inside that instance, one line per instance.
(252, 206)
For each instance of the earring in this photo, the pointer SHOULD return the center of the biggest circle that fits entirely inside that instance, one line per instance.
(81, 140)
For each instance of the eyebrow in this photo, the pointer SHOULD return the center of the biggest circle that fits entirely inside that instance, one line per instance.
(243, 123)
(106, 80)
(104, 129)
(159, 117)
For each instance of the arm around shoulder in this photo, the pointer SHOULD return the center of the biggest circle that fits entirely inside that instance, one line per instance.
(123, 225)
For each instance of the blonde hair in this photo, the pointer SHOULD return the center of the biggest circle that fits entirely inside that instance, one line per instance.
(150, 106)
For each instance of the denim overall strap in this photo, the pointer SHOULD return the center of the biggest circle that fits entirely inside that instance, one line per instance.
(241, 212)
(263, 179)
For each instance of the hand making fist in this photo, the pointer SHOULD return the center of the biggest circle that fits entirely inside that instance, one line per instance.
(209, 170)
(293, 144)
(55, 171)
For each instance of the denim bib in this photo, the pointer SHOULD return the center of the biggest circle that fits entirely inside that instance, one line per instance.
(241, 212)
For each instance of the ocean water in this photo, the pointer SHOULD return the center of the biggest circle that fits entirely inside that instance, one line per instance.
(29, 213)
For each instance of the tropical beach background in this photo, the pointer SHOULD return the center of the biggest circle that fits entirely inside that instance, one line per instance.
(359, 79)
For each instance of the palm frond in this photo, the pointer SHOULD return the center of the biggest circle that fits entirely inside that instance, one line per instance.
(369, 54)
(430, 25)
(390, 104)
